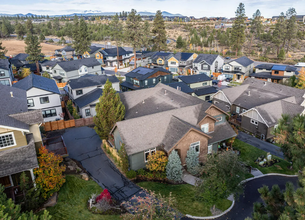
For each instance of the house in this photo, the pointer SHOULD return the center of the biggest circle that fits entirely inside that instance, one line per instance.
(142, 58)
(257, 105)
(181, 86)
(208, 64)
(274, 73)
(42, 93)
(21, 57)
(238, 69)
(86, 90)
(111, 59)
(143, 77)
(6, 73)
(95, 52)
(201, 85)
(181, 62)
(300, 18)
(19, 135)
(160, 59)
(67, 52)
(64, 71)
(167, 119)
(47, 65)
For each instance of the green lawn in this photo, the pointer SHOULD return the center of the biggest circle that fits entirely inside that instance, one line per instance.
(185, 197)
(73, 200)
(249, 154)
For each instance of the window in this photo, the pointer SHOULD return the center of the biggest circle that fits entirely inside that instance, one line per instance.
(7, 140)
(62, 73)
(30, 103)
(136, 82)
(210, 149)
(154, 81)
(219, 118)
(87, 111)
(227, 68)
(237, 68)
(44, 100)
(205, 83)
(173, 63)
(47, 68)
(237, 110)
(86, 69)
(2, 73)
(160, 61)
(196, 146)
(244, 110)
(254, 122)
(79, 92)
(145, 82)
(205, 67)
(5, 82)
(276, 72)
(49, 113)
(165, 78)
(207, 98)
(54, 71)
(148, 152)
(205, 128)
(80, 70)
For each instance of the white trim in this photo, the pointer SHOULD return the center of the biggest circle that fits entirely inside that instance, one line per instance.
(11, 180)
(33, 177)
(224, 96)
(14, 140)
(206, 125)
(148, 151)
(13, 128)
(195, 144)
(254, 109)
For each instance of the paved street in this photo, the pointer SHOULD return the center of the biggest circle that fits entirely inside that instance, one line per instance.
(263, 145)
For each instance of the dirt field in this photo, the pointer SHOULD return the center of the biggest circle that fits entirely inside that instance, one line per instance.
(16, 46)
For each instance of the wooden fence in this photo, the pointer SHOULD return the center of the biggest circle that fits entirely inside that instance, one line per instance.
(61, 124)
(61, 85)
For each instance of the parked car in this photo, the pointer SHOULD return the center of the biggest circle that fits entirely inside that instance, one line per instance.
(228, 79)
(228, 58)
(215, 82)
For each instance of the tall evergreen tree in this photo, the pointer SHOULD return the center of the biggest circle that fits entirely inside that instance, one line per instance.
(109, 110)
(256, 26)
(81, 37)
(116, 28)
(179, 42)
(238, 29)
(20, 30)
(159, 32)
(134, 32)
(278, 36)
(291, 27)
(3, 51)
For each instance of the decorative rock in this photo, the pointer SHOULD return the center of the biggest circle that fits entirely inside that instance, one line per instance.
(71, 168)
(84, 176)
(51, 201)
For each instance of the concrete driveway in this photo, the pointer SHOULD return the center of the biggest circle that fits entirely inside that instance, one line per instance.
(84, 145)
(263, 145)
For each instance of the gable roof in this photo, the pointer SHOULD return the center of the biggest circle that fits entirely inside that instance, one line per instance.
(194, 78)
(91, 80)
(204, 90)
(142, 73)
(244, 61)
(162, 55)
(76, 64)
(20, 56)
(48, 63)
(39, 82)
(113, 51)
(16, 63)
(267, 66)
(89, 97)
(181, 86)
(4, 64)
(208, 58)
(93, 49)
(180, 56)
(66, 48)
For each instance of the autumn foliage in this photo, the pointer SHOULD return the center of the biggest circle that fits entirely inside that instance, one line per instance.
(49, 175)
(157, 162)
(105, 195)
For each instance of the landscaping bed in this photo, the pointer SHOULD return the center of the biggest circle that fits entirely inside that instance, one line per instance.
(249, 155)
(73, 198)
(185, 198)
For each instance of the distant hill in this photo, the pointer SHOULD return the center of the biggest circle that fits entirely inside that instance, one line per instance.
(96, 12)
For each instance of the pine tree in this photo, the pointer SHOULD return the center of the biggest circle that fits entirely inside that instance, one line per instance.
(291, 27)
(256, 26)
(159, 32)
(238, 29)
(134, 32)
(116, 28)
(4, 29)
(3, 51)
(179, 42)
(20, 30)
(192, 161)
(281, 54)
(29, 26)
(41, 37)
(174, 167)
(278, 35)
(109, 110)
(81, 37)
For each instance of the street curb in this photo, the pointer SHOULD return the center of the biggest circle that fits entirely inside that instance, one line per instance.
(233, 202)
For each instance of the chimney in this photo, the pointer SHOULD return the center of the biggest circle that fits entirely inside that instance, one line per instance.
(265, 83)
(143, 101)
(164, 92)
(249, 93)
(12, 94)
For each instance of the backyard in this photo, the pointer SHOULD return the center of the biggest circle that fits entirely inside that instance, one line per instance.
(185, 195)
(249, 153)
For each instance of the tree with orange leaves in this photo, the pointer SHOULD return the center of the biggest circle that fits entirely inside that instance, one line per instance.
(301, 79)
(157, 162)
(49, 175)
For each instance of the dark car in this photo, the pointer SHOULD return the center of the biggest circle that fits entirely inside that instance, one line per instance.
(228, 79)
(228, 58)
(215, 82)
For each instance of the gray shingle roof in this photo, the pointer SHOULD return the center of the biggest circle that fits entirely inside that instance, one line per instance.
(19, 159)
(205, 90)
(208, 58)
(221, 132)
(142, 73)
(91, 80)
(89, 97)
(267, 75)
(48, 63)
(162, 55)
(21, 56)
(66, 48)
(180, 56)
(30, 117)
(266, 66)
(93, 49)
(195, 78)
(182, 86)
(76, 64)
(4, 64)
(113, 51)
(16, 63)
(244, 61)
(39, 82)
(12, 105)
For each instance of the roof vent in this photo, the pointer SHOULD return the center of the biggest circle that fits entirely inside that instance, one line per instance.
(143, 101)
(164, 92)
(179, 88)
(12, 94)
(265, 83)
(249, 93)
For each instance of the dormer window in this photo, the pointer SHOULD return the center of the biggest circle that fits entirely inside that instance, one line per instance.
(205, 128)
(160, 62)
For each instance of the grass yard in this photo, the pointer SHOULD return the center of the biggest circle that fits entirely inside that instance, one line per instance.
(249, 154)
(73, 199)
(185, 198)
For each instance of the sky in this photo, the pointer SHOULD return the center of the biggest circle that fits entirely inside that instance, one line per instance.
(197, 8)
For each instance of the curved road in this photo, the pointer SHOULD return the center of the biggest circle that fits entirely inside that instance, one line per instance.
(244, 205)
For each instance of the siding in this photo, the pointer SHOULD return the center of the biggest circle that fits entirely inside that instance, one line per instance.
(136, 161)
(117, 139)
(255, 129)
(199, 84)
(19, 138)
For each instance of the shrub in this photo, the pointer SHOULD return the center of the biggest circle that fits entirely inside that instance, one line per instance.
(105, 195)
(192, 161)
(141, 172)
(124, 158)
(75, 114)
(157, 162)
(70, 106)
(131, 174)
(174, 167)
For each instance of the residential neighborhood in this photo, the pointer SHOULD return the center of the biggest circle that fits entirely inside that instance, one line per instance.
(142, 115)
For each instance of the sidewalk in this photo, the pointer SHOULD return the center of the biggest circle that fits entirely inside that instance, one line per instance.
(190, 179)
